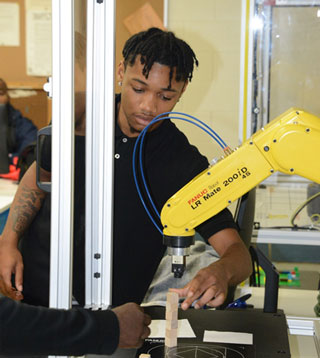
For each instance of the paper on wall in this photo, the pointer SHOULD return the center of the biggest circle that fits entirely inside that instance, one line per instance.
(9, 24)
(38, 41)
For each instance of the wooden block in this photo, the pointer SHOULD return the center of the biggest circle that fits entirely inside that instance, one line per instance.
(172, 301)
(171, 342)
(171, 332)
(172, 298)
(171, 315)
(171, 307)
(144, 355)
(171, 319)
(172, 324)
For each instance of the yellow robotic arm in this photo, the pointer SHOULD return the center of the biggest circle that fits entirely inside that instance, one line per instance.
(289, 144)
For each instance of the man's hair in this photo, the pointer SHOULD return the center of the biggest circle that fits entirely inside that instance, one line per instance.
(163, 47)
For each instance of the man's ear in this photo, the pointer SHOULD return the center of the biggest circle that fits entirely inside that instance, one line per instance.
(120, 71)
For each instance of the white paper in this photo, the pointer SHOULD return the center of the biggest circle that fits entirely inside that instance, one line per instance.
(158, 329)
(38, 45)
(9, 24)
(42, 5)
(228, 337)
(22, 93)
(5, 202)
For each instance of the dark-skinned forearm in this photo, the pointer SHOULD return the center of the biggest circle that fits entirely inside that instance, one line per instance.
(25, 208)
(235, 260)
(27, 202)
(236, 263)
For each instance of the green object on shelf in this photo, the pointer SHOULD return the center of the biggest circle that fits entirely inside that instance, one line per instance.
(286, 278)
(317, 307)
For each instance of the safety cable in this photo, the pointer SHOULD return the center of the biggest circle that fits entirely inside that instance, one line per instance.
(140, 140)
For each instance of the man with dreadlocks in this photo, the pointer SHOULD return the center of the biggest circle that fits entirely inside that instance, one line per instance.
(154, 73)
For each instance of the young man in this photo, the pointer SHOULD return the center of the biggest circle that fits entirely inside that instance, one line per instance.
(154, 73)
(30, 330)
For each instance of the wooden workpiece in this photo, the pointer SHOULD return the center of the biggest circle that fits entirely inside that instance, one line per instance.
(171, 336)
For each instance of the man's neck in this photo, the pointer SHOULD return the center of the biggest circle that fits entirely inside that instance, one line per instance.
(124, 125)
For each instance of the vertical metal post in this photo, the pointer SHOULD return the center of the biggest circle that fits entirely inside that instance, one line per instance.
(99, 151)
(165, 13)
(62, 154)
(246, 52)
(266, 58)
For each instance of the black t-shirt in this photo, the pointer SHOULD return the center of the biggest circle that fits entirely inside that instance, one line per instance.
(31, 331)
(170, 163)
(35, 243)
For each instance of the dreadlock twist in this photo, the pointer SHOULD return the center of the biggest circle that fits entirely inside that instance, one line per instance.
(163, 47)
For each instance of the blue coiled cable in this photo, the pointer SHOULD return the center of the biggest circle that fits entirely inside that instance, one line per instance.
(140, 140)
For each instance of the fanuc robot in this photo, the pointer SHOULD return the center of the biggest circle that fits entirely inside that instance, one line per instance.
(289, 144)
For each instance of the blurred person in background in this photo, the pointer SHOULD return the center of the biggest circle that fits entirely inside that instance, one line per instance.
(16, 134)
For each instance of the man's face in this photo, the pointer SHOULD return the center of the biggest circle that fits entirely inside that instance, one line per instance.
(142, 98)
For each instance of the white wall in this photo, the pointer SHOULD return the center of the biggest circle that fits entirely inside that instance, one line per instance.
(295, 68)
(212, 29)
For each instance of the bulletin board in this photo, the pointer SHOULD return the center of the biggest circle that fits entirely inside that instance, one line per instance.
(124, 9)
(13, 67)
(13, 70)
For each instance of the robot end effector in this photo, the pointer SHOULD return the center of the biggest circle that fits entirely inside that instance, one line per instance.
(289, 144)
(178, 249)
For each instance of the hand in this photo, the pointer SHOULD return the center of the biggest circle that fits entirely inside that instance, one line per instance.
(133, 324)
(209, 287)
(10, 263)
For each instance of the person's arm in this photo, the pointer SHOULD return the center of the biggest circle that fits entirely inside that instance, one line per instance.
(26, 204)
(210, 285)
(31, 330)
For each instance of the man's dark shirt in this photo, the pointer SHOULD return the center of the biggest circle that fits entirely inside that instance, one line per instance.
(35, 243)
(170, 163)
(29, 330)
